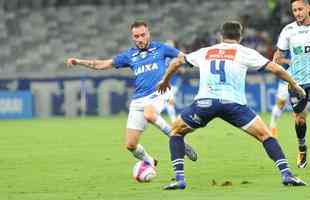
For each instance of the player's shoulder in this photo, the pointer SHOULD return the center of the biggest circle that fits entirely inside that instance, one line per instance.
(289, 27)
(157, 44)
(245, 49)
(130, 52)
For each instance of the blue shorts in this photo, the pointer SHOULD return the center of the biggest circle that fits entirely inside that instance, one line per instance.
(202, 111)
(299, 104)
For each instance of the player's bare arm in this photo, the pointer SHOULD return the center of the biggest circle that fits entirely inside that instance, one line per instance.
(282, 74)
(174, 66)
(92, 64)
(280, 59)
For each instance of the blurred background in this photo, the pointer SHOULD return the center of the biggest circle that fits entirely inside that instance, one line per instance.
(37, 36)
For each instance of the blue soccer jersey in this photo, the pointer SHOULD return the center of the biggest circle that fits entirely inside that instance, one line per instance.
(148, 65)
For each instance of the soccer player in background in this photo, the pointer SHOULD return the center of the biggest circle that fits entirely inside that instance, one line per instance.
(147, 61)
(221, 94)
(295, 37)
(281, 99)
(175, 83)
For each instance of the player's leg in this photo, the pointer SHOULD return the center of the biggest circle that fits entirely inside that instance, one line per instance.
(300, 114)
(137, 150)
(136, 124)
(282, 96)
(259, 130)
(152, 115)
(300, 128)
(170, 106)
(243, 117)
(177, 153)
(185, 124)
(275, 115)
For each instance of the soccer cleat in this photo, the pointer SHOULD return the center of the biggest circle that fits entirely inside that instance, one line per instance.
(190, 152)
(177, 185)
(155, 162)
(302, 159)
(291, 180)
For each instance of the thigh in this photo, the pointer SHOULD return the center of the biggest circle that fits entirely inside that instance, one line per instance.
(136, 118)
(200, 113)
(156, 101)
(258, 129)
(238, 115)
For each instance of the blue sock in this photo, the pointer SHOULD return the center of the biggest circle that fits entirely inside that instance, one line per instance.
(177, 151)
(301, 135)
(275, 152)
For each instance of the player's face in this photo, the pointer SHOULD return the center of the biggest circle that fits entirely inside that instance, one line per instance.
(300, 11)
(141, 36)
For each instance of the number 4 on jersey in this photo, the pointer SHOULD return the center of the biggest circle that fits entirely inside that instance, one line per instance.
(220, 69)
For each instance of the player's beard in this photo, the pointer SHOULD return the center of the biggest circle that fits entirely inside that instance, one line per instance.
(143, 46)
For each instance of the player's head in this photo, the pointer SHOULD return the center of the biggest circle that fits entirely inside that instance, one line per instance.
(140, 34)
(232, 31)
(300, 10)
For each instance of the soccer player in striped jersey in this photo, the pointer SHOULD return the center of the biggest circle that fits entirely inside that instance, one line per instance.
(221, 94)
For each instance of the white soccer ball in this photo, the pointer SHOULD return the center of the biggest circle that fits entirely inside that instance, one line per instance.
(143, 172)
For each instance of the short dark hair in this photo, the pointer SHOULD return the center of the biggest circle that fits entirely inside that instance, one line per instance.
(136, 24)
(232, 30)
(305, 1)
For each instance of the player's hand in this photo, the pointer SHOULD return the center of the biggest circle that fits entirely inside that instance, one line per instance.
(72, 61)
(298, 90)
(163, 86)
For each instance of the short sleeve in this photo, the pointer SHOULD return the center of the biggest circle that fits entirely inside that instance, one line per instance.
(283, 41)
(252, 59)
(193, 58)
(120, 60)
(169, 51)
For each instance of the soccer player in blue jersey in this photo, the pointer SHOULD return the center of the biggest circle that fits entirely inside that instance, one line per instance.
(221, 94)
(295, 37)
(147, 61)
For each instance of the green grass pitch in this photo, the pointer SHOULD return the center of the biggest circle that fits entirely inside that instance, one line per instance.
(85, 159)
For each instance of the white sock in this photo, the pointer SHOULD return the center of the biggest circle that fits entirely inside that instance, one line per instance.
(171, 112)
(162, 125)
(275, 115)
(141, 154)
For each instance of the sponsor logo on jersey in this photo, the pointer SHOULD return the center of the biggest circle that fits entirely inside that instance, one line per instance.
(225, 54)
(146, 68)
(301, 49)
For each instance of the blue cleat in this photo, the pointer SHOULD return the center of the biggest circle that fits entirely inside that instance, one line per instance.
(177, 185)
(291, 180)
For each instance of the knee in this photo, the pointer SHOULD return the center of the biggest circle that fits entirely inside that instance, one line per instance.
(150, 115)
(180, 128)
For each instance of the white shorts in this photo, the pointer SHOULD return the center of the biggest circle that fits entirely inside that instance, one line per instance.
(282, 92)
(136, 118)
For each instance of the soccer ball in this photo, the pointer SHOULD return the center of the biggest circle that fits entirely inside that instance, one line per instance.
(143, 171)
